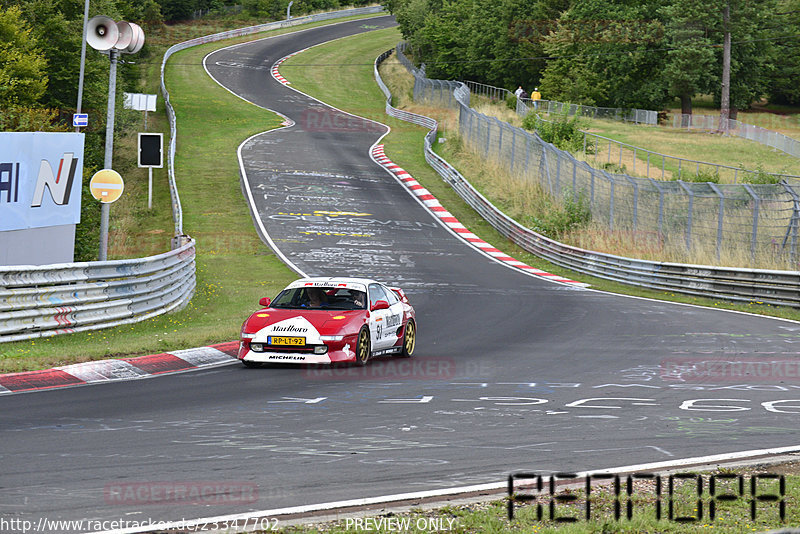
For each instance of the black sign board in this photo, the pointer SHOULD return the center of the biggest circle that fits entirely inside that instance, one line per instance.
(151, 150)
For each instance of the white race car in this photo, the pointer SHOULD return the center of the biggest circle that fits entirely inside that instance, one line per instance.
(328, 320)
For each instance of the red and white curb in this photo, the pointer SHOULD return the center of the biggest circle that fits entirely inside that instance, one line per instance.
(274, 69)
(80, 374)
(447, 218)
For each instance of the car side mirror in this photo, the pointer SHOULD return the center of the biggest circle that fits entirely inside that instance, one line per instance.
(380, 305)
(264, 301)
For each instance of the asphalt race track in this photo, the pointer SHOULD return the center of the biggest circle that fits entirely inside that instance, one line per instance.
(511, 372)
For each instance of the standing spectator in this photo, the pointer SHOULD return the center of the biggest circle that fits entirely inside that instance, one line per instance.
(536, 96)
(523, 94)
(518, 92)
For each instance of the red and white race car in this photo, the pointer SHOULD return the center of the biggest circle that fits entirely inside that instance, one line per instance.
(328, 320)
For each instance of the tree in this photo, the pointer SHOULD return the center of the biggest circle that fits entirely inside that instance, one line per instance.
(607, 54)
(22, 64)
(690, 67)
(783, 86)
(751, 51)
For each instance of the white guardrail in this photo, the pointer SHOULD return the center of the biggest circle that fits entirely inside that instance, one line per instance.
(780, 288)
(47, 300)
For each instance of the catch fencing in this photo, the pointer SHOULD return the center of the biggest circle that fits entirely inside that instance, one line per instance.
(627, 157)
(740, 129)
(647, 163)
(47, 300)
(723, 218)
(638, 116)
(766, 286)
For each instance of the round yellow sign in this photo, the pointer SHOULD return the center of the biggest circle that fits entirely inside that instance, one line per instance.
(106, 186)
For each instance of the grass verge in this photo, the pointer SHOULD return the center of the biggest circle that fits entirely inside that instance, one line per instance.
(234, 268)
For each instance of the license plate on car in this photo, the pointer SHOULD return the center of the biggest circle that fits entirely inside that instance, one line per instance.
(283, 340)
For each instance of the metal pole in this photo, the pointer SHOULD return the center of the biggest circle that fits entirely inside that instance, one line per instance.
(289, 10)
(107, 163)
(83, 60)
(720, 219)
(150, 188)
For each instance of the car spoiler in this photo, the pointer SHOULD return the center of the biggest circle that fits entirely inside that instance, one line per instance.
(401, 294)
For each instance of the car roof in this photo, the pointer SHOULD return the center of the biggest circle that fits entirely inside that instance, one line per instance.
(347, 282)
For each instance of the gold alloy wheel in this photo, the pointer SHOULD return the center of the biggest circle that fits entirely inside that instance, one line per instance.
(409, 339)
(363, 347)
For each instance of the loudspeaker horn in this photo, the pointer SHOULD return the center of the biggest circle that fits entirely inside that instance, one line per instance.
(102, 33)
(137, 41)
(125, 35)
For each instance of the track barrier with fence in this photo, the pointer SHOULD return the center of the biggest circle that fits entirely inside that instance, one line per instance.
(533, 159)
(724, 218)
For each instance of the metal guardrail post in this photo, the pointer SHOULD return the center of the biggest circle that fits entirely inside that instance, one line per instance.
(513, 147)
(574, 180)
(488, 136)
(689, 214)
(612, 184)
(720, 219)
(635, 185)
(793, 223)
(546, 165)
(660, 206)
(499, 139)
(756, 215)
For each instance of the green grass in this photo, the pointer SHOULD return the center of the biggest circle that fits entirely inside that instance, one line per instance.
(234, 268)
(692, 145)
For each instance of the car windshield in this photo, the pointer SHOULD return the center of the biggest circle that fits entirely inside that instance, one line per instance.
(320, 297)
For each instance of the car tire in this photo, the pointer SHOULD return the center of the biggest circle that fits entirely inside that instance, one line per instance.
(409, 339)
(363, 346)
(250, 365)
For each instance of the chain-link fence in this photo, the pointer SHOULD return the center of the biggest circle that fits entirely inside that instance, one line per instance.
(718, 217)
(649, 164)
(641, 162)
(748, 131)
(639, 116)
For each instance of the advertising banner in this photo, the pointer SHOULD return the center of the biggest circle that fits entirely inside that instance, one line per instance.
(40, 179)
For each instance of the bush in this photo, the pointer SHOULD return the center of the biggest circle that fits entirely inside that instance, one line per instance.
(760, 176)
(573, 214)
(511, 102)
(699, 177)
(614, 168)
(563, 131)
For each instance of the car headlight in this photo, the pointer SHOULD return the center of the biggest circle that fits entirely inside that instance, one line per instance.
(320, 349)
(257, 347)
(331, 338)
(248, 336)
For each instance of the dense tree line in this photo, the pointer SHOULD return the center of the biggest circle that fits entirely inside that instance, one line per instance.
(617, 53)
